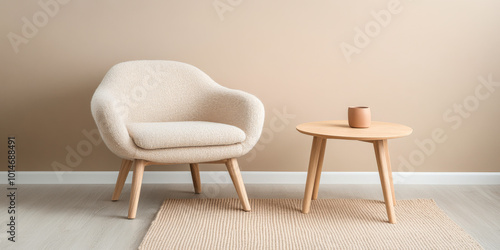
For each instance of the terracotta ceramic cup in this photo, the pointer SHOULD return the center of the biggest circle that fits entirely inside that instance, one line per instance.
(359, 117)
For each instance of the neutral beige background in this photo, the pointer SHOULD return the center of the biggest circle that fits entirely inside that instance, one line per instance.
(287, 53)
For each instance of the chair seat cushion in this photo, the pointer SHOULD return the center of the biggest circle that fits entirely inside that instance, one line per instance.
(158, 135)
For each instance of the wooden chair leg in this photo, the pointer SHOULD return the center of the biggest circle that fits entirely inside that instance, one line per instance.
(319, 169)
(381, 152)
(136, 187)
(234, 172)
(122, 176)
(195, 174)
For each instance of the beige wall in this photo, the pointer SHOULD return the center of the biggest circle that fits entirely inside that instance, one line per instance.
(425, 60)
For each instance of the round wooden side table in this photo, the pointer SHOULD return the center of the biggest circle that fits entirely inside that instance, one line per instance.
(378, 133)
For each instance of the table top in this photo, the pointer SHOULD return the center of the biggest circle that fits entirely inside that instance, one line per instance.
(340, 129)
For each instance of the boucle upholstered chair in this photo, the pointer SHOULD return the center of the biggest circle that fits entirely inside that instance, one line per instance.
(165, 112)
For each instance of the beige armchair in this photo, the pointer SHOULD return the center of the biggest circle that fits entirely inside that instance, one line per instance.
(166, 112)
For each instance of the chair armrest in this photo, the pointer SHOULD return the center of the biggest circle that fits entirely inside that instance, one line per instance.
(110, 116)
(240, 109)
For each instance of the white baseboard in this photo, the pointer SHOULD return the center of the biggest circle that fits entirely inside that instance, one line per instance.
(256, 177)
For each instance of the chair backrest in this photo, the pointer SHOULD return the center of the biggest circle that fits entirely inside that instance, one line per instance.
(158, 91)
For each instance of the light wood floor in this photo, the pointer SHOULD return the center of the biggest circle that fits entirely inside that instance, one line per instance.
(84, 217)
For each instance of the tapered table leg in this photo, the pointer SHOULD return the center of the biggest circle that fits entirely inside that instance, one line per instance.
(311, 173)
(381, 153)
(319, 169)
(389, 170)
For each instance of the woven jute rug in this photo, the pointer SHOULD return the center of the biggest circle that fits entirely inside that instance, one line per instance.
(279, 224)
